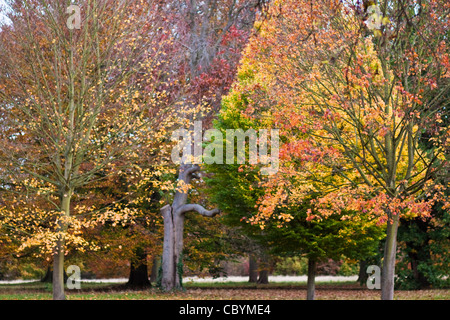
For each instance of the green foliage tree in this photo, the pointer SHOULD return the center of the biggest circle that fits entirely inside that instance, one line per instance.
(236, 189)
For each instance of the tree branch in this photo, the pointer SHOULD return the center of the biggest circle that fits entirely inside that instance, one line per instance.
(197, 208)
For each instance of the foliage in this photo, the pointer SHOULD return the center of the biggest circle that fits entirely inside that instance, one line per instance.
(424, 244)
(299, 266)
(236, 189)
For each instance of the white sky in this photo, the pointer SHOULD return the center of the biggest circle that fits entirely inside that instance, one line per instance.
(2, 17)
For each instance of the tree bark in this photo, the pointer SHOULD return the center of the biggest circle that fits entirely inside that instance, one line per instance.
(388, 272)
(311, 285)
(252, 269)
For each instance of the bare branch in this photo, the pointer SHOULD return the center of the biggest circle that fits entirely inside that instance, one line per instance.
(197, 208)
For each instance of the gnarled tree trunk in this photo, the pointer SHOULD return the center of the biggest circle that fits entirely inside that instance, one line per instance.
(172, 260)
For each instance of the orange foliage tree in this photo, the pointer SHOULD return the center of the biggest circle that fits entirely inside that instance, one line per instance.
(354, 86)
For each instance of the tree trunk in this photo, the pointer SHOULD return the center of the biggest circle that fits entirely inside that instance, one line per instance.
(58, 256)
(168, 264)
(263, 270)
(178, 257)
(263, 276)
(58, 272)
(155, 269)
(138, 277)
(388, 272)
(362, 275)
(252, 269)
(311, 285)
(172, 265)
(48, 275)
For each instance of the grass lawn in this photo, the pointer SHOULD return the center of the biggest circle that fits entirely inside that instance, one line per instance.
(216, 291)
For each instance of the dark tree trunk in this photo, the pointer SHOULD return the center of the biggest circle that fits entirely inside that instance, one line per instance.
(139, 271)
(48, 276)
(252, 269)
(264, 270)
(263, 277)
(311, 286)
(155, 269)
(419, 276)
(362, 276)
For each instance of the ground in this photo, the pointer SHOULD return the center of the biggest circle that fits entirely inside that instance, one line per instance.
(216, 291)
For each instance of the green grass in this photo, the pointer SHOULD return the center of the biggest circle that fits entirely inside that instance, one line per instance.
(214, 291)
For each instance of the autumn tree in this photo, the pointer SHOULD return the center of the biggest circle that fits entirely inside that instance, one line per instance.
(78, 103)
(353, 90)
(238, 188)
(211, 35)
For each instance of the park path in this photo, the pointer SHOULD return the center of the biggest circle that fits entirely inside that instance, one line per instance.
(218, 280)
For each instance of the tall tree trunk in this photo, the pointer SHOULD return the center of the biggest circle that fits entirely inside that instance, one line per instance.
(172, 248)
(311, 285)
(58, 256)
(178, 257)
(168, 264)
(388, 272)
(58, 272)
(252, 269)
(138, 277)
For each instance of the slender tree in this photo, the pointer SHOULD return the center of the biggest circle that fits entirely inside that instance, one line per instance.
(79, 98)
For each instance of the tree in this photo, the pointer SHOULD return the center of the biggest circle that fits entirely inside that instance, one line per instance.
(353, 98)
(79, 103)
(423, 243)
(211, 34)
(237, 190)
